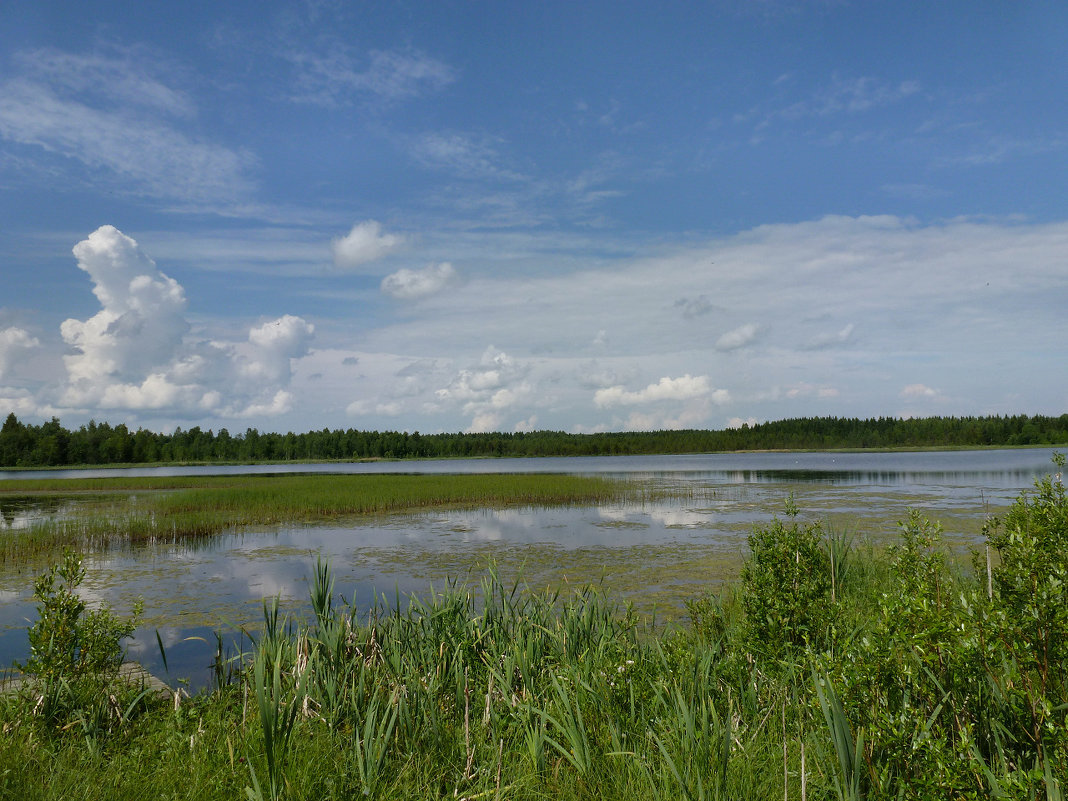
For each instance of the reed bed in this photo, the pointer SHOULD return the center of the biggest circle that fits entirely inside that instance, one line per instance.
(131, 510)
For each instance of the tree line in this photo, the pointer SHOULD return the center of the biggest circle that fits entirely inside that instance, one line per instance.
(50, 444)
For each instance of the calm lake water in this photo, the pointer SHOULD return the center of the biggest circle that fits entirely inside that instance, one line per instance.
(654, 555)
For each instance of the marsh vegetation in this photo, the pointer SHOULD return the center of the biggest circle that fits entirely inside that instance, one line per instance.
(111, 511)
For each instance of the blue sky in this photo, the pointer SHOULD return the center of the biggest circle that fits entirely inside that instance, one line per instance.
(450, 216)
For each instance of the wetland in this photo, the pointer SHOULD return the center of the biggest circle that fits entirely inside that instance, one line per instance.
(204, 546)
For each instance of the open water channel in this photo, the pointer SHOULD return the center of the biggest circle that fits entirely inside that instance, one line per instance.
(655, 555)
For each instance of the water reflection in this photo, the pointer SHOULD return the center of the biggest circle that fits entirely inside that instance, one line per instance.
(1002, 467)
(22, 511)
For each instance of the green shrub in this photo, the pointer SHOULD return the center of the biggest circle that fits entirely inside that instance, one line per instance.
(1028, 622)
(786, 588)
(75, 651)
(959, 690)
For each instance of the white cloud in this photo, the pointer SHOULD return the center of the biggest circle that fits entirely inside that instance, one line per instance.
(288, 336)
(494, 370)
(738, 337)
(919, 391)
(120, 78)
(943, 294)
(828, 340)
(694, 415)
(273, 346)
(939, 300)
(280, 403)
(807, 390)
(20, 402)
(408, 284)
(364, 243)
(139, 327)
(115, 119)
(848, 95)
(498, 383)
(14, 340)
(155, 392)
(468, 155)
(738, 422)
(530, 424)
(666, 389)
(135, 354)
(335, 78)
(485, 422)
(860, 94)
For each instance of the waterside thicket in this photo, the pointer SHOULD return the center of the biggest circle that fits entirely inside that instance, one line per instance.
(830, 671)
(50, 444)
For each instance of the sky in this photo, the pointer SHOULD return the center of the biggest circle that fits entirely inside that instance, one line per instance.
(474, 216)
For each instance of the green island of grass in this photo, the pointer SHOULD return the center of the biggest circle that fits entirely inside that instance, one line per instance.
(140, 509)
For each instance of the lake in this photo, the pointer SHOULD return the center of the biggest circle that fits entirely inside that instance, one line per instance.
(655, 555)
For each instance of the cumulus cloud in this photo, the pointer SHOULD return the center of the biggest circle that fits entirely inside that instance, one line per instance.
(280, 403)
(495, 369)
(135, 352)
(275, 344)
(484, 422)
(413, 284)
(487, 390)
(738, 337)
(138, 329)
(739, 422)
(22, 403)
(365, 243)
(666, 389)
(287, 335)
(530, 424)
(14, 340)
(694, 415)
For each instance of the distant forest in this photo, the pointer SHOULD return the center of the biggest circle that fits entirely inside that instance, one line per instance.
(49, 444)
